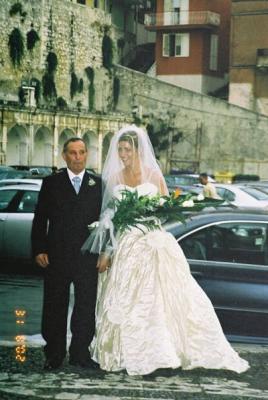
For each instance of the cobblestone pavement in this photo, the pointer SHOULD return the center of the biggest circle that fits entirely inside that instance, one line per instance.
(26, 380)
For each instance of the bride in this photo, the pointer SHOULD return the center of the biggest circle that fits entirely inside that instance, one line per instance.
(150, 311)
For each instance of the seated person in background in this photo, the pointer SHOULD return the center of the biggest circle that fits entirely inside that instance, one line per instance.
(209, 189)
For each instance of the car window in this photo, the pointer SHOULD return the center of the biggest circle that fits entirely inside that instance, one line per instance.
(225, 194)
(28, 202)
(221, 192)
(237, 242)
(230, 196)
(6, 196)
(256, 193)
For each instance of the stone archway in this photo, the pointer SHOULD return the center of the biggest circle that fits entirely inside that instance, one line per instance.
(43, 147)
(91, 140)
(17, 146)
(105, 145)
(64, 135)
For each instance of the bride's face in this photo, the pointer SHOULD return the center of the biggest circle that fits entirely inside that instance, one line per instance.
(126, 153)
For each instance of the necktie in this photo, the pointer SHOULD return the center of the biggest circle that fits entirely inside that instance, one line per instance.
(76, 182)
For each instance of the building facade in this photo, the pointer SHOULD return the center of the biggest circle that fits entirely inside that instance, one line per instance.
(53, 81)
(249, 55)
(30, 137)
(192, 43)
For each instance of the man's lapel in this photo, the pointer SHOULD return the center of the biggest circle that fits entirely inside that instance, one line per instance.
(67, 184)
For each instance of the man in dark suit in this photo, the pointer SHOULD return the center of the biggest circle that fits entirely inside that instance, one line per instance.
(68, 202)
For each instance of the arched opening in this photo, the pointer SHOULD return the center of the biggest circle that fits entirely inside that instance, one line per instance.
(105, 145)
(91, 140)
(43, 146)
(17, 146)
(65, 135)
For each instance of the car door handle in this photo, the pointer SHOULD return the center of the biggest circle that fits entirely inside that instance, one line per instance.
(2, 219)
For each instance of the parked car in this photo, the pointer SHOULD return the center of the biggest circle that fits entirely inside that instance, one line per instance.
(228, 256)
(17, 205)
(242, 196)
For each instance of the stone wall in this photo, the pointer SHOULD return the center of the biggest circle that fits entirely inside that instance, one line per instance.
(72, 31)
(217, 136)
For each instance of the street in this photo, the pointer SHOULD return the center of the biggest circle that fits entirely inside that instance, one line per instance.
(21, 374)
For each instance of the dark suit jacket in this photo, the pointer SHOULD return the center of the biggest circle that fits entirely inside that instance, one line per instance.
(60, 224)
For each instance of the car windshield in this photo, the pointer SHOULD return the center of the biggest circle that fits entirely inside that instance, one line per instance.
(186, 180)
(256, 193)
(181, 180)
(261, 188)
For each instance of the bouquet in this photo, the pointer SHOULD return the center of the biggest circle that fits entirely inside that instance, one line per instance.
(133, 210)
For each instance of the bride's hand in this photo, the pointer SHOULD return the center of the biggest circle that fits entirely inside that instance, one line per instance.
(103, 263)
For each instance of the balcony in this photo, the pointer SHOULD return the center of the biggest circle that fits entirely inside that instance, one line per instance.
(262, 60)
(183, 20)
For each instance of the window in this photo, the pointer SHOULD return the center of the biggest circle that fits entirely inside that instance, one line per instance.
(225, 194)
(28, 202)
(256, 193)
(236, 242)
(176, 44)
(6, 197)
(213, 62)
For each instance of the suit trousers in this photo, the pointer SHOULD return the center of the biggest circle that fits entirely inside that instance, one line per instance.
(58, 278)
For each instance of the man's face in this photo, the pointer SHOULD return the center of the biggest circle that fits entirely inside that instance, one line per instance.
(75, 156)
(203, 180)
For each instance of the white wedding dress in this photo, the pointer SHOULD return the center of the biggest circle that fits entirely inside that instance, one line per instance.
(151, 313)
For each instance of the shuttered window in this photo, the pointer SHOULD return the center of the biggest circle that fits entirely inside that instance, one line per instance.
(176, 44)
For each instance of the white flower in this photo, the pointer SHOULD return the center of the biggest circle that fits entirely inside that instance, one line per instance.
(162, 201)
(188, 203)
(91, 182)
(200, 197)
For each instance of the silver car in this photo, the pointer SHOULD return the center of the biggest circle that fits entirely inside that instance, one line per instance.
(17, 205)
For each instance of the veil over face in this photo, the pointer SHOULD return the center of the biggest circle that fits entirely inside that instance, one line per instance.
(142, 168)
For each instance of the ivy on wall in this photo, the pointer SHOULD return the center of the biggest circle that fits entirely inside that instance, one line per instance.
(116, 91)
(159, 133)
(32, 38)
(16, 47)
(91, 89)
(74, 86)
(52, 62)
(49, 87)
(61, 103)
(21, 96)
(48, 81)
(107, 52)
(81, 85)
(17, 9)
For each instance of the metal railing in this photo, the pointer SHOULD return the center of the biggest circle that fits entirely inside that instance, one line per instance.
(171, 18)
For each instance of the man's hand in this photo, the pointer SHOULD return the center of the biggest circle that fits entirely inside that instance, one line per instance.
(42, 260)
(103, 263)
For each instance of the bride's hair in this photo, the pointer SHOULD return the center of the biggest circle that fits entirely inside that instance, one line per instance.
(131, 138)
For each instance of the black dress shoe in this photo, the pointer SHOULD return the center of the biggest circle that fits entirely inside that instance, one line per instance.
(83, 362)
(51, 364)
